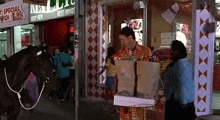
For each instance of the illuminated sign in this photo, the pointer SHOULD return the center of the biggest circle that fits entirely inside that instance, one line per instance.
(13, 13)
(72, 29)
(61, 8)
(9, 14)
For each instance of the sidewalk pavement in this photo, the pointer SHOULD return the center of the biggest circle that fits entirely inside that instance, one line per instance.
(89, 109)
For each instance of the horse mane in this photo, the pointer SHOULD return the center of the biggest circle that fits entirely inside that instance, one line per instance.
(16, 65)
(27, 51)
(13, 61)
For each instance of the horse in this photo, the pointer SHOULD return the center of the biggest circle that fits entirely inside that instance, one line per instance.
(14, 72)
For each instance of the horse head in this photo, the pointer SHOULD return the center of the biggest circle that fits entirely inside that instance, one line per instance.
(41, 65)
(14, 72)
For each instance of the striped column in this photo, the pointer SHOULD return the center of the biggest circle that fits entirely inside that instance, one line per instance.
(204, 37)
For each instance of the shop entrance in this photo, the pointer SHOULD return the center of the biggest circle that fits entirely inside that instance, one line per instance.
(57, 33)
(118, 15)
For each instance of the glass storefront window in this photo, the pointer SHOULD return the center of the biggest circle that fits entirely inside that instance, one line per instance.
(184, 34)
(3, 43)
(217, 44)
(216, 67)
(23, 36)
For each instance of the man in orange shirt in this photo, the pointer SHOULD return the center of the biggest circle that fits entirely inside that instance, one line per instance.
(132, 48)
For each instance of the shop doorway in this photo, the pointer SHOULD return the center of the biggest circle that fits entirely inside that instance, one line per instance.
(57, 33)
(117, 16)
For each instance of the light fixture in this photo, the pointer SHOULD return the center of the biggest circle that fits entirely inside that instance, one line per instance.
(139, 5)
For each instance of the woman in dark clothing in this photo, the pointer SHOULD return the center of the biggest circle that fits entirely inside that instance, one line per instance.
(63, 61)
(180, 85)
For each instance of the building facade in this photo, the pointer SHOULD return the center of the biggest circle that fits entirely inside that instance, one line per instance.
(104, 19)
(13, 14)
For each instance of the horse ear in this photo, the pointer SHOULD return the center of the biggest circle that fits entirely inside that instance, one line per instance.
(5, 56)
(39, 53)
(30, 46)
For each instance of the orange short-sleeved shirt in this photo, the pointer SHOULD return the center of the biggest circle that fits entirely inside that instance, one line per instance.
(140, 52)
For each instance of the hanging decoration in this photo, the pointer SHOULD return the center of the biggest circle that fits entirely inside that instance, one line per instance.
(170, 14)
(127, 21)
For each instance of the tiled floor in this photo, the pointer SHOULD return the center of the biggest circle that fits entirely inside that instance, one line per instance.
(209, 117)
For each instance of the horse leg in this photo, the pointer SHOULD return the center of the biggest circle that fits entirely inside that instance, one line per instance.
(14, 113)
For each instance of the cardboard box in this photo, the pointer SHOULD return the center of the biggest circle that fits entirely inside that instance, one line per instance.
(133, 101)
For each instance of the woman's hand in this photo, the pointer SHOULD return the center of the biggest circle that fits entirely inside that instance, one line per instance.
(103, 69)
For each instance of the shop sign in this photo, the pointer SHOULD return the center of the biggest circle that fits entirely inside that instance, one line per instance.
(36, 2)
(72, 29)
(166, 38)
(62, 8)
(13, 13)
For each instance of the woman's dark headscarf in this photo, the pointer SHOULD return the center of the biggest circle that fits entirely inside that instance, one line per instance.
(178, 51)
(178, 46)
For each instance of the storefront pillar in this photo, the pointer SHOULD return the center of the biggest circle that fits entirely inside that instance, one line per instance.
(37, 41)
(10, 41)
(203, 44)
(145, 25)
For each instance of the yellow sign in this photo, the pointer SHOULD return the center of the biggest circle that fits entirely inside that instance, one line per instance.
(36, 2)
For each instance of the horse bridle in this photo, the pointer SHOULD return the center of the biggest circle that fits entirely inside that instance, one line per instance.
(18, 93)
(47, 78)
(42, 71)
